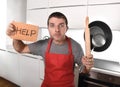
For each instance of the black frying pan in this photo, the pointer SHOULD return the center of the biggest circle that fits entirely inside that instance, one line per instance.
(100, 35)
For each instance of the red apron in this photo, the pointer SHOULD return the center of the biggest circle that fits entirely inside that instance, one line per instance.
(59, 70)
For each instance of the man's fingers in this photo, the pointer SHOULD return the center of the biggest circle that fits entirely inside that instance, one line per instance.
(10, 30)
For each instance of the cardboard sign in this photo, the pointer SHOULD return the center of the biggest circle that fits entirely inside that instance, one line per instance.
(26, 32)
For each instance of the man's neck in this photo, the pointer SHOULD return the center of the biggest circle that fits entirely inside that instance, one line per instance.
(60, 42)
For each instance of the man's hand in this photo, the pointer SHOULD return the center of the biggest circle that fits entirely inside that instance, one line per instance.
(10, 30)
(88, 62)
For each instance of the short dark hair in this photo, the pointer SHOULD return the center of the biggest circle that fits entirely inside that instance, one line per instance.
(57, 15)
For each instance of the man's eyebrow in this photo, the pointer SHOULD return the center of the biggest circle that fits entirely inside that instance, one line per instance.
(59, 24)
(51, 23)
(62, 23)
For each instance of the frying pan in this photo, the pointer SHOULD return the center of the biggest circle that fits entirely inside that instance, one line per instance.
(100, 36)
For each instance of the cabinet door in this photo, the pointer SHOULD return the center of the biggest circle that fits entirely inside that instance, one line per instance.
(54, 3)
(75, 15)
(29, 72)
(35, 4)
(109, 14)
(9, 66)
(42, 67)
(31, 4)
(2, 63)
(37, 17)
(103, 1)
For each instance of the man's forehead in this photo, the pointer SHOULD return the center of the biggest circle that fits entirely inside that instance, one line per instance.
(55, 19)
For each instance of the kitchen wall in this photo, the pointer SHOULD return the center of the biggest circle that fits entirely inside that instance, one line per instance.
(10, 10)
(106, 11)
(16, 10)
(3, 20)
(38, 12)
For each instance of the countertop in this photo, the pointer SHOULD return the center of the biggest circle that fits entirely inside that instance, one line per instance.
(23, 54)
(106, 71)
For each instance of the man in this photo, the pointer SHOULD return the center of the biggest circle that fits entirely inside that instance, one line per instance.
(60, 52)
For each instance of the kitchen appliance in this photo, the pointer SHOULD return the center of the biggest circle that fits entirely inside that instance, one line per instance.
(98, 79)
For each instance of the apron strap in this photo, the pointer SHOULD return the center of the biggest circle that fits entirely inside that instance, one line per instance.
(69, 45)
(49, 45)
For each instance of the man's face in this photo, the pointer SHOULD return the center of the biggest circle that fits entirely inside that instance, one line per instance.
(57, 28)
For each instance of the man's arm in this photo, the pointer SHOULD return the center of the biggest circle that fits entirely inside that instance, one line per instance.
(20, 47)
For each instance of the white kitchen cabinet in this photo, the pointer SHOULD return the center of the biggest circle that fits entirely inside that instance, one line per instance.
(35, 4)
(23, 70)
(2, 61)
(109, 14)
(54, 3)
(75, 15)
(32, 4)
(37, 17)
(75, 12)
(42, 67)
(9, 66)
(103, 1)
(30, 72)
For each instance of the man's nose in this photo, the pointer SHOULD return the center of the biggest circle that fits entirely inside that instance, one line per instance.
(57, 28)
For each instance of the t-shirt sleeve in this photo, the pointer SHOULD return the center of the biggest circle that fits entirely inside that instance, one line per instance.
(38, 48)
(77, 52)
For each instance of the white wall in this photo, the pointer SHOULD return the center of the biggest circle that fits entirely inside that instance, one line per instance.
(3, 15)
(10, 10)
(16, 10)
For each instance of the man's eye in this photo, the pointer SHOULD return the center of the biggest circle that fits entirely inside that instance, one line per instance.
(51, 25)
(61, 25)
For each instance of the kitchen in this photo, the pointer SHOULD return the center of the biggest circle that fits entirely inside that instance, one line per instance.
(19, 68)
